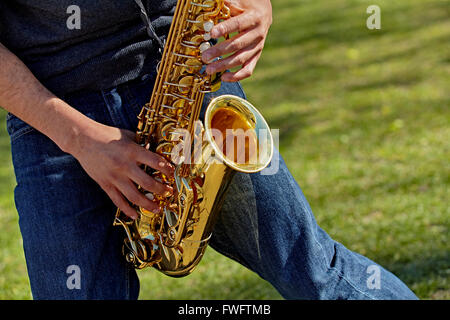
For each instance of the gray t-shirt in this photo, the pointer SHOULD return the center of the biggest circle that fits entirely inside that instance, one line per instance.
(73, 45)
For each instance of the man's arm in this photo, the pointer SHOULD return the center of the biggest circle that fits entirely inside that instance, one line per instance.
(25, 97)
(109, 155)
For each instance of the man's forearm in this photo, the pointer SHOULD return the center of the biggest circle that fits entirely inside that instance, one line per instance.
(25, 97)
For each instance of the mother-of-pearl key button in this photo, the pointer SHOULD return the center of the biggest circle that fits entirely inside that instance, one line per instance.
(207, 26)
(204, 46)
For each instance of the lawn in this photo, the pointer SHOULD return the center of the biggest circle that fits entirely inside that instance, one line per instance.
(364, 119)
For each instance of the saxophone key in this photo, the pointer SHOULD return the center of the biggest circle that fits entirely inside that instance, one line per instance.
(204, 46)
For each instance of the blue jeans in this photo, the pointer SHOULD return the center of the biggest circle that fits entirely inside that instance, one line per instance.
(266, 223)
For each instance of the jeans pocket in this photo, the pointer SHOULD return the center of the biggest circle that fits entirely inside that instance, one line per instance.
(16, 128)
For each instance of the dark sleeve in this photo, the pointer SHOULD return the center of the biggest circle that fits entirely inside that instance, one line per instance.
(2, 18)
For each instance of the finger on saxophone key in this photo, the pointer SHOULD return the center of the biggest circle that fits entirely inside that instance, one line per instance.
(152, 206)
(155, 161)
(166, 167)
(155, 208)
(161, 189)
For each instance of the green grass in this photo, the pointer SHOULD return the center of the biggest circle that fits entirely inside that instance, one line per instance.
(364, 128)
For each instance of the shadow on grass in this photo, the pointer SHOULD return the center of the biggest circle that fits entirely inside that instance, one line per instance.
(423, 273)
(289, 124)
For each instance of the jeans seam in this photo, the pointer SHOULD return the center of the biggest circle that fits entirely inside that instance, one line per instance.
(339, 274)
(16, 135)
(116, 119)
(242, 90)
(127, 279)
(350, 283)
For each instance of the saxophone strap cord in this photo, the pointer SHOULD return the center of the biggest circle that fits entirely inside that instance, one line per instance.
(150, 29)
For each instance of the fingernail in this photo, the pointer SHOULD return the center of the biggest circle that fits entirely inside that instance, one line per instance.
(163, 164)
(167, 168)
(157, 210)
(169, 173)
(168, 191)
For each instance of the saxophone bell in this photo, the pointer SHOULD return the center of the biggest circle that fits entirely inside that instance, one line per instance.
(242, 125)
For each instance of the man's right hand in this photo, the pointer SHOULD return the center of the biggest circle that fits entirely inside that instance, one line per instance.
(112, 158)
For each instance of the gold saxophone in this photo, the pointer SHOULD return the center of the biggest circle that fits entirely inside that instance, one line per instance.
(174, 239)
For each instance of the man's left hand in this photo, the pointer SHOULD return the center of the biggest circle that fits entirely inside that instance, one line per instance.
(251, 19)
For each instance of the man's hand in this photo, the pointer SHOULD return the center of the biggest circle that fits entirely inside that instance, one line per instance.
(111, 157)
(252, 20)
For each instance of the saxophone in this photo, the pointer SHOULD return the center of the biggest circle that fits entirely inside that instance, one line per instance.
(206, 155)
